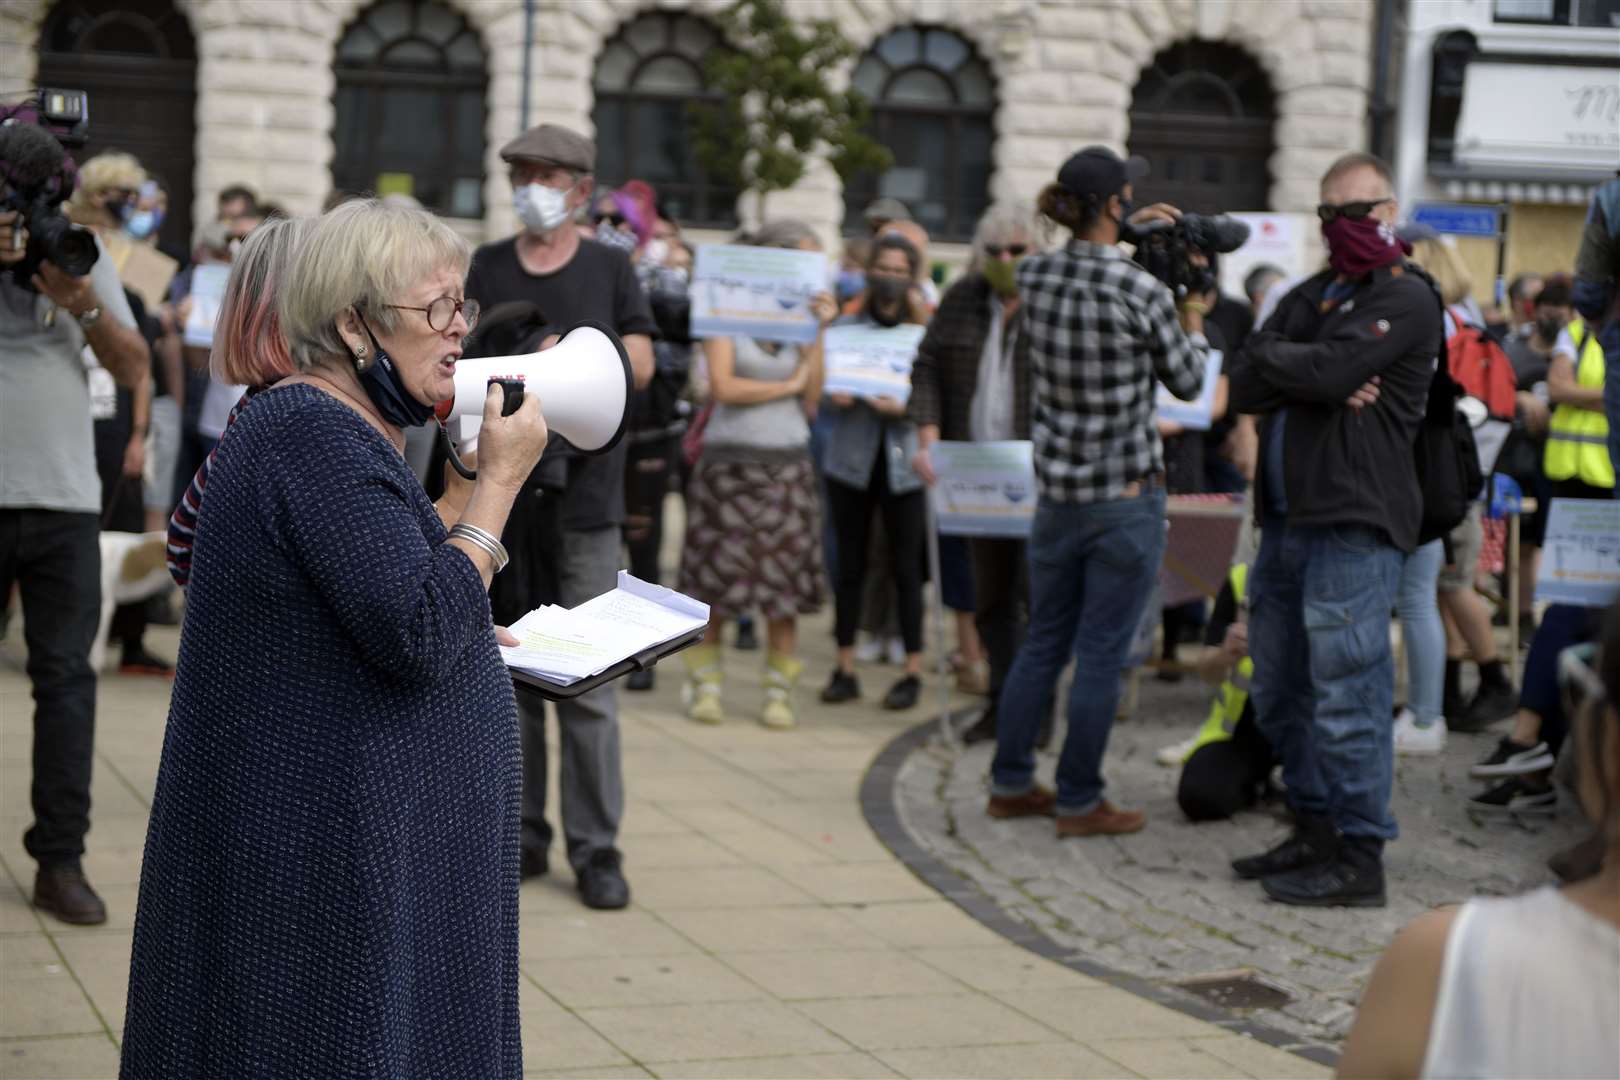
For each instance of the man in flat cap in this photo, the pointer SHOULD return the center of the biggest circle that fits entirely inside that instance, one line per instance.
(571, 280)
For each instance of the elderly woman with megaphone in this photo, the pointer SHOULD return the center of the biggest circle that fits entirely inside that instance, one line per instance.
(330, 885)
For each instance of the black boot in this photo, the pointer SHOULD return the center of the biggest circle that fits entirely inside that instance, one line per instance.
(1312, 843)
(983, 729)
(1355, 878)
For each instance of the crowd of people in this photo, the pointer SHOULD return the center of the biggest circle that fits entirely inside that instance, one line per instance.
(289, 463)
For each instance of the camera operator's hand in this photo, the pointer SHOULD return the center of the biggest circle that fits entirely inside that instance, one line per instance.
(13, 237)
(1156, 212)
(75, 295)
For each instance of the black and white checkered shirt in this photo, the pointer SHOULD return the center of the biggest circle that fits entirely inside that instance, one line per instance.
(1100, 328)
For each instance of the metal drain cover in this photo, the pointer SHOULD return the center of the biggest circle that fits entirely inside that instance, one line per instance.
(1237, 990)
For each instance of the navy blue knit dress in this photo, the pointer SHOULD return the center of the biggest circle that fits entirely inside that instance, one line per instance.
(330, 886)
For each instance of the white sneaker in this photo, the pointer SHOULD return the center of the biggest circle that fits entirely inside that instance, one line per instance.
(1174, 754)
(869, 651)
(1414, 741)
(897, 652)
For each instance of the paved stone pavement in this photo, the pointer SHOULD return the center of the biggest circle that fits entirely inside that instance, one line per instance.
(1163, 904)
(772, 934)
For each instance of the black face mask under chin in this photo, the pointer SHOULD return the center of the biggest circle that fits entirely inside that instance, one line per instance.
(886, 300)
(386, 389)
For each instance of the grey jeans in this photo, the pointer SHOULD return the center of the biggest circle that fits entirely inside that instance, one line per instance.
(590, 778)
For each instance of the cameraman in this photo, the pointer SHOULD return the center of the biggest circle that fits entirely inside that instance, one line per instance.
(1101, 329)
(50, 504)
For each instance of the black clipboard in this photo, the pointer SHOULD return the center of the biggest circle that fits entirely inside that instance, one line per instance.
(523, 680)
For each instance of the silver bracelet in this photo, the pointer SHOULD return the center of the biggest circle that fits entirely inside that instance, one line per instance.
(484, 540)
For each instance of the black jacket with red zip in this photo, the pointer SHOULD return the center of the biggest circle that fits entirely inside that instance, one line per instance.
(1343, 465)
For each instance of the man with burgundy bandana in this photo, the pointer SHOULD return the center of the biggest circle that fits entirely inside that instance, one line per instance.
(1340, 375)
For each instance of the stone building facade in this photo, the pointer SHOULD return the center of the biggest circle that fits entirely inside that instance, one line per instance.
(1063, 71)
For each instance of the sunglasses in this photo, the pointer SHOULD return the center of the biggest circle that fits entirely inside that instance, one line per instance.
(995, 250)
(613, 219)
(1355, 211)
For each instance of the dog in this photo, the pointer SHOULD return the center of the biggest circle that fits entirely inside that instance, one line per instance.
(132, 570)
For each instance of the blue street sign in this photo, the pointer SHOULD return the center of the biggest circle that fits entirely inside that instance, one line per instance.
(1457, 219)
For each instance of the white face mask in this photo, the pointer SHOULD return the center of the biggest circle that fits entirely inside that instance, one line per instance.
(656, 251)
(539, 207)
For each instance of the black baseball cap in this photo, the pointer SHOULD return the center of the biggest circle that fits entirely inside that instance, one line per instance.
(1097, 170)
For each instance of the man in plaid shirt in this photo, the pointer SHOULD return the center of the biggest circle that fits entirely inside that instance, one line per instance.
(1101, 331)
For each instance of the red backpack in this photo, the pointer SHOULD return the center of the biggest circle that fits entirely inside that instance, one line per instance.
(1481, 368)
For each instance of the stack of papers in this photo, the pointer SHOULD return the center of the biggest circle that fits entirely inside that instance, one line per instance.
(563, 645)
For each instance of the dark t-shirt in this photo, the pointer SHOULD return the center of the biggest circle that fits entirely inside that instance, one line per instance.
(1529, 366)
(597, 285)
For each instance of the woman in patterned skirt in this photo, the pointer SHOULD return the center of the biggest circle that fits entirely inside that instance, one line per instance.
(753, 528)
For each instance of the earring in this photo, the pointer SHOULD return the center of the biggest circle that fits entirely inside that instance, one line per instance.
(361, 362)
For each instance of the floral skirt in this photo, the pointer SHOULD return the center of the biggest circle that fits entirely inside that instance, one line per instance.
(753, 538)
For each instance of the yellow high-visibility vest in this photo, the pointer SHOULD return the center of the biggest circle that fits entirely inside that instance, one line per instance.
(1577, 438)
(1227, 708)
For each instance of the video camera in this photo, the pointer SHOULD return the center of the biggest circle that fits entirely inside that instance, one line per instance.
(37, 189)
(1163, 249)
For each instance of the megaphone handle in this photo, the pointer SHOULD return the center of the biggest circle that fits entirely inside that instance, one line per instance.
(455, 458)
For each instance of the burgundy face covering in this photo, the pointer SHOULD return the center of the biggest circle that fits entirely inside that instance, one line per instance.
(1356, 248)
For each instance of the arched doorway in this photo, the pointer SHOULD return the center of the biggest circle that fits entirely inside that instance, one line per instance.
(137, 61)
(1202, 115)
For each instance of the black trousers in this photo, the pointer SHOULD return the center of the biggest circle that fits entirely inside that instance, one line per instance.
(904, 519)
(646, 481)
(54, 558)
(1001, 603)
(1221, 778)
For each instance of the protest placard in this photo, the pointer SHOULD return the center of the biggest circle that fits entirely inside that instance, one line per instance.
(756, 292)
(984, 488)
(1193, 415)
(867, 360)
(1580, 558)
(207, 294)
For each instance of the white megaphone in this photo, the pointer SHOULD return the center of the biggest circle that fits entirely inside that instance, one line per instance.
(583, 382)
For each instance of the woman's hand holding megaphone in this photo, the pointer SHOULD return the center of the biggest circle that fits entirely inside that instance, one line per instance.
(509, 447)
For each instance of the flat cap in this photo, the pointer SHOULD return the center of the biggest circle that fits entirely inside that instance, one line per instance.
(555, 144)
(886, 209)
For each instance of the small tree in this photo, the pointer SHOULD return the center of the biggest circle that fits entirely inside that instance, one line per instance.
(775, 104)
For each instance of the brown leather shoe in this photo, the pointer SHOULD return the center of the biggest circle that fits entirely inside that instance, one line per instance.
(63, 891)
(1036, 802)
(1106, 820)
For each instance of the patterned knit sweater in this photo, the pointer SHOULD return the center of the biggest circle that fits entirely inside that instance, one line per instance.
(331, 872)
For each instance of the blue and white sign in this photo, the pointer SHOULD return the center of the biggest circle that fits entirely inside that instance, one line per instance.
(984, 488)
(1197, 414)
(1458, 219)
(1580, 558)
(866, 360)
(756, 292)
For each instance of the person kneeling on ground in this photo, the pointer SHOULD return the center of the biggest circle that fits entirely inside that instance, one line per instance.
(1226, 766)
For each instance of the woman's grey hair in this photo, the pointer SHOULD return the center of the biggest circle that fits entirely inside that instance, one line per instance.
(782, 233)
(363, 255)
(249, 348)
(1000, 224)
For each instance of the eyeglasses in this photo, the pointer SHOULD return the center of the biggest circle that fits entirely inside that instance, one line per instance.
(1355, 211)
(442, 312)
(995, 250)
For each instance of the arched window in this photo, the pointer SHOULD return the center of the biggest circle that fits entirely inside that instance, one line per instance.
(1202, 115)
(646, 77)
(932, 99)
(410, 107)
(136, 60)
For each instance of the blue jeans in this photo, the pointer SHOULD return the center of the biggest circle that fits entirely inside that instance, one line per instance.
(1422, 630)
(1091, 572)
(1324, 675)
